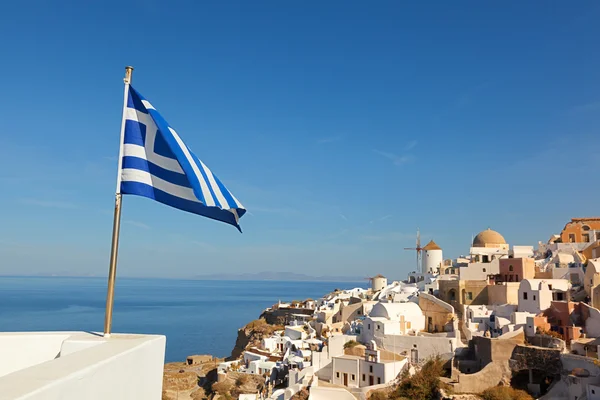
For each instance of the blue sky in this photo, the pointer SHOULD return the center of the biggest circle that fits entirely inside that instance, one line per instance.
(341, 126)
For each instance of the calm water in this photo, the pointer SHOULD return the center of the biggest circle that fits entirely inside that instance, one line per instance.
(196, 316)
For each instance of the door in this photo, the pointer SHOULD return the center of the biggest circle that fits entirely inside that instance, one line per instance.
(371, 380)
(414, 356)
(345, 379)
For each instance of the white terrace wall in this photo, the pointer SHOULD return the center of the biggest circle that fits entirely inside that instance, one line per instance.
(90, 367)
(21, 350)
(427, 346)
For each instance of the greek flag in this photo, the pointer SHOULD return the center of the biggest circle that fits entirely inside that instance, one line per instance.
(157, 164)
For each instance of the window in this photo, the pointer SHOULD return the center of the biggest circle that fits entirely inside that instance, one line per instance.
(369, 326)
(370, 368)
(571, 238)
(353, 377)
(586, 237)
(469, 295)
(379, 381)
(378, 326)
(550, 287)
(510, 268)
(517, 278)
(524, 295)
(337, 374)
(585, 227)
(534, 297)
(408, 325)
(364, 377)
(597, 235)
(484, 270)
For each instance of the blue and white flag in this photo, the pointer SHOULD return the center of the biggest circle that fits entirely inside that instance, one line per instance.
(157, 164)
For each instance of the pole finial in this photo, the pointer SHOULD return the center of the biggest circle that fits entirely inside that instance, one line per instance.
(128, 71)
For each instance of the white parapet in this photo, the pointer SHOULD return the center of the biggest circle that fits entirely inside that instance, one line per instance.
(80, 365)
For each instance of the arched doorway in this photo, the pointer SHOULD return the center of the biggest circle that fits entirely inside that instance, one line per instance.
(452, 295)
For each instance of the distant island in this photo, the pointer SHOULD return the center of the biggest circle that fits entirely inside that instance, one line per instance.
(278, 276)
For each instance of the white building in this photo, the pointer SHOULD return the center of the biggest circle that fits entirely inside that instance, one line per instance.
(397, 292)
(488, 318)
(80, 365)
(479, 271)
(393, 319)
(487, 254)
(536, 295)
(357, 372)
(378, 282)
(521, 252)
(433, 259)
(261, 367)
(295, 332)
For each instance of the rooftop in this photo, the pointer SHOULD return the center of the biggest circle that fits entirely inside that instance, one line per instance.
(432, 246)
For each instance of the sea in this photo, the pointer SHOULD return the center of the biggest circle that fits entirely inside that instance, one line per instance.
(197, 316)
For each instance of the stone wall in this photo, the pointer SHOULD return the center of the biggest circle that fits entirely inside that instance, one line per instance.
(488, 350)
(530, 357)
(490, 376)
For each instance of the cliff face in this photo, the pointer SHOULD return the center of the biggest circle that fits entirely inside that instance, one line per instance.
(251, 335)
(280, 316)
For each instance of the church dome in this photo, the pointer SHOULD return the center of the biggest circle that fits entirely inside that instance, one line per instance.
(488, 238)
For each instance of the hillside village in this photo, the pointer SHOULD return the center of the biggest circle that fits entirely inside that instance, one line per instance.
(505, 314)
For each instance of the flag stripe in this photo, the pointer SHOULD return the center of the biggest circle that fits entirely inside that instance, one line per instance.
(155, 170)
(136, 175)
(215, 213)
(215, 188)
(135, 133)
(163, 162)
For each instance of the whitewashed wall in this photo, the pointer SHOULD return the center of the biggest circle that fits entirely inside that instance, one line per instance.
(92, 367)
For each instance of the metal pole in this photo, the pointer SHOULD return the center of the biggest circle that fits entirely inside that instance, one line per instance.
(114, 250)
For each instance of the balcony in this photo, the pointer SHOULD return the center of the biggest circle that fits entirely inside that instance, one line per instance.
(80, 365)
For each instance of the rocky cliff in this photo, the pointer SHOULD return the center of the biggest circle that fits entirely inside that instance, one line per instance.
(251, 335)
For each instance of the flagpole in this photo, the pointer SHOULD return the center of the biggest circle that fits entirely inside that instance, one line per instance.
(114, 250)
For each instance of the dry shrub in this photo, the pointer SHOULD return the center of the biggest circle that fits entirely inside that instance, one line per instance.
(553, 334)
(222, 388)
(423, 385)
(505, 393)
(301, 395)
(378, 396)
(241, 380)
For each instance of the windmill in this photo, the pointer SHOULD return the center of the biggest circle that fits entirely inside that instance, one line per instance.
(419, 249)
